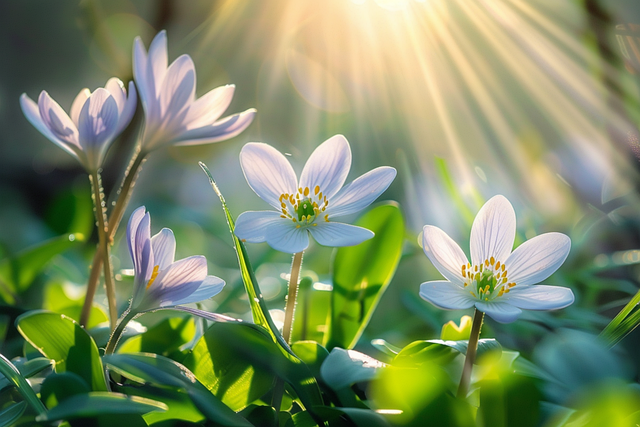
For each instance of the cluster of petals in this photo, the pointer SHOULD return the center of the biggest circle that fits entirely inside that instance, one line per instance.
(173, 115)
(95, 120)
(160, 281)
(497, 281)
(311, 204)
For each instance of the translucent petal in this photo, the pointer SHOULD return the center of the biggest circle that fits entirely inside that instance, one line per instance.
(499, 311)
(336, 234)
(537, 258)
(328, 166)
(493, 231)
(146, 90)
(157, 61)
(98, 122)
(361, 192)
(447, 295)
(251, 226)
(164, 248)
(210, 287)
(285, 237)
(115, 87)
(143, 260)
(221, 130)
(128, 110)
(178, 88)
(77, 105)
(176, 282)
(540, 297)
(268, 172)
(444, 253)
(132, 229)
(209, 107)
(57, 120)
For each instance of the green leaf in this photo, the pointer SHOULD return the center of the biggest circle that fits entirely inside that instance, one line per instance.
(362, 273)
(359, 417)
(312, 305)
(11, 373)
(162, 371)
(236, 361)
(179, 403)
(452, 332)
(441, 351)
(99, 403)
(164, 338)
(19, 271)
(58, 300)
(385, 347)
(342, 368)
(311, 353)
(11, 414)
(60, 338)
(59, 387)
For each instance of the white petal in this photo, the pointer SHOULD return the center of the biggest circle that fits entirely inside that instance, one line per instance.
(336, 234)
(493, 231)
(157, 60)
(32, 113)
(540, 297)
(361, 192)
(115, 87)
(499, 311)
(57, 120)
(178, 88)
(128, 110)
(164, 248)
(132, 229)
(209, 107)
(77, 105)
(145, 87)
(210, 287)
(285, 237)
(446, 295)
(328, 166)
(176, 282)
(221, 130)
(537, 258)
(251, 226)
(97, 124)
(268, 172)
(444, 253)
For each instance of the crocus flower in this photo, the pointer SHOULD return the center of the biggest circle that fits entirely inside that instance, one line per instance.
(96, 120)
(310, 205)
(173, 115)
(496, 281)
(160, 281)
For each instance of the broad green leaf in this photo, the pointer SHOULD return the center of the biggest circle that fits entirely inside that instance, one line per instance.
(27, 368)
(312, 306)
(441, 351)
(358, 417)
(362, 273)
(155, 369)
(262, 415)
(59, 387)
(60, 338)
(237, 361)
(179, 403)
(164, 338)
(99, 403)
(342, 368)
(57, 299)
(11, 373)
(302, 419)
(11, 414)
(311, 353)
(19, 271)
(452, 332)
(385, 347)
(259, 308)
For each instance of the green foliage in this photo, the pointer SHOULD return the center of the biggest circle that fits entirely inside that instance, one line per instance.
(56, 299)
(312, 306)
(164, 338)
(12, 374)
(342, 368)
(440, 351)
(11, 414)
(66, 342)
(58, 387)
(362, 273)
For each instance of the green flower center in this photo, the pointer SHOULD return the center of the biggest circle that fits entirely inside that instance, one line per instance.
(487, 280)
(304, 207)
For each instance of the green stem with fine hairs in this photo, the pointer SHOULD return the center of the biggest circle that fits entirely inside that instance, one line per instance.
(472, 349)
(124, 194)
(100, 211)
(127, 316)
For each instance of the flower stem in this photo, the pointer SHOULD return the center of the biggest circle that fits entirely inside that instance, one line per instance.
(124, 194)
(99, 208)
(472, 348)
(127, 316)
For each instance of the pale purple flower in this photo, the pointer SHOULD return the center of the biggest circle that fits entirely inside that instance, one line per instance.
(310, 205)
(173, 115)
(96, 119)
(159, 280)
(496, 281)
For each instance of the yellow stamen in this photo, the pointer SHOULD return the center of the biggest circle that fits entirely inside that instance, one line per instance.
(326, 217)
(492, 260)
(306, 191)
(316, 190)
(154, 274)
(503, 267)
(498, 265)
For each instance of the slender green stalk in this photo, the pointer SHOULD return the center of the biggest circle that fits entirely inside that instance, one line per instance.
(472, 348)
(124, 194)
(613, 332)
(100, 211)
(127, 316)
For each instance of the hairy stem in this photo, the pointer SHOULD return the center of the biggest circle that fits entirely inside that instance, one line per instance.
(103, 242)
(127, 316)
(472, 349)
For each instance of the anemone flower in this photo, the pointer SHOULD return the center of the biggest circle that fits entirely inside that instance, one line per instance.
(496, 281)
(96, 120)
(310, 205)
(160, 281)
(173, 115)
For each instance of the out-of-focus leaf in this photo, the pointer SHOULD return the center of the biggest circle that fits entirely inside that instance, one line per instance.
(311, 353)
(302, 419)
(237, 361)
(57, 299)
(441, 351)
(261, 416)
(343, 368)
(385, 347)
(163, 338)
(59, 387)
(179, 403)
(452, 332)
(508, 399)
(624, 323)
(362, 273)
(72, 210)
(162, 371)
(356, 416)
(11, 414)
(11, 373)
(99, 403)
(19, 271)
(27, 368)
(60, 338)
(312, 305)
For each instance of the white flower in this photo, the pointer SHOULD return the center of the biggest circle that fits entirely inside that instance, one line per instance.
(496, 281)
(159, 281)
(173, 115)
(96, 120)
(308, 206)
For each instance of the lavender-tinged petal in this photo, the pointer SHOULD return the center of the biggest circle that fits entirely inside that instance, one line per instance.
(221, 130)
(143, 252)
(128, 110)
(537, 258)
(336, 234)
(210, 287)
(444, 253)
(57, 120)
(214, 317)
(158, 61)
(176, 282)
(252, 226)
(132, 229)
(328, 166)
(98, 122)
(77, 105)
(208, 108)
(163, 245)
(285, 237)
(116, 88)
(145, 87)
(447, 295)
(178, 88)
(540, 297)
(361, 192)
(499, 311)
(493, 231)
